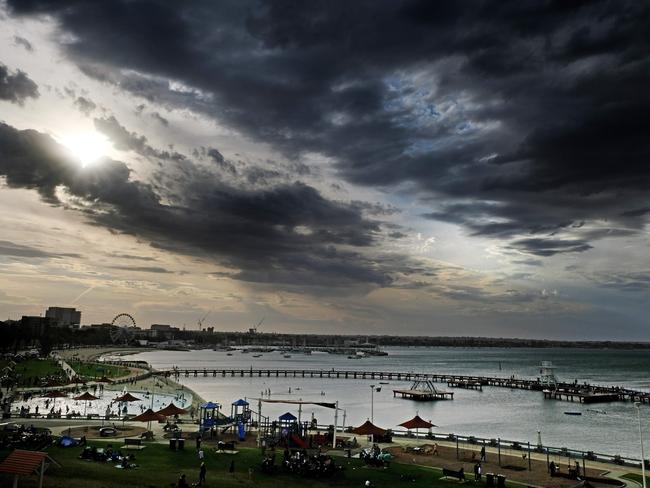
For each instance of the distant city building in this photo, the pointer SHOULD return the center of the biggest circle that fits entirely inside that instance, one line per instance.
(64, 317)
(163, 330)
(37, 325)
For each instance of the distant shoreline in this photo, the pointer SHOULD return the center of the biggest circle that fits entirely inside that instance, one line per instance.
(271, 339)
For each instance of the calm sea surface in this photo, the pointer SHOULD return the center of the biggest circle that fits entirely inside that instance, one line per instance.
(494, 412)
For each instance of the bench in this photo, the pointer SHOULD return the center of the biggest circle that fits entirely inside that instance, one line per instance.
(452, 473)
(133, 444)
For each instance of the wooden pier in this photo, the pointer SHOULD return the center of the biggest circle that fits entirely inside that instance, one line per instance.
(469, 385)
(590, 393)
(423, 396)
(582, 396)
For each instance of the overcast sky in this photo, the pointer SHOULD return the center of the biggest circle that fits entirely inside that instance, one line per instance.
(402, 167)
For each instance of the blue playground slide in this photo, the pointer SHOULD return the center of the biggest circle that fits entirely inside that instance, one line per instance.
(241, 429)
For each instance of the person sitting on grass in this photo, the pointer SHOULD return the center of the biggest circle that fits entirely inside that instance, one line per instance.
(182, 482)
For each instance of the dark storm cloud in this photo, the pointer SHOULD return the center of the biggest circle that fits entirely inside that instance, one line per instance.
(132, 256)
(550, 247)
(632, 281)
(8, 248)
(124, 140)
(85, 105)
(156, 116)
(287, 234)
(16, 87)
(143, 269)
(21, 41)
(534, 111)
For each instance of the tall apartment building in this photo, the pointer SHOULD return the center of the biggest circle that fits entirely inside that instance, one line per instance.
(64, 317)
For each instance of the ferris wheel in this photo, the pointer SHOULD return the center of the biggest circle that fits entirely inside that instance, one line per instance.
(123, 328)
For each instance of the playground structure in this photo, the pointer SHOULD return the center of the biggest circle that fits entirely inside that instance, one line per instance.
(291, 432)
(211, 419)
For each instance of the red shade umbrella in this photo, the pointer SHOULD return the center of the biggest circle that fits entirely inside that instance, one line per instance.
(417, 423)
(148, 416)
(171, 410)
(54, 395)
(368, 428)
(127, 397)
(86, 397)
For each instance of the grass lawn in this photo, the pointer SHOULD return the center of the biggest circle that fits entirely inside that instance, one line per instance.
(97, 370)
(159, 467)
(637, 478)
(34, 368)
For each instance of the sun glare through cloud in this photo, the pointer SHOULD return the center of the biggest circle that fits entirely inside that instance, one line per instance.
(86, 147)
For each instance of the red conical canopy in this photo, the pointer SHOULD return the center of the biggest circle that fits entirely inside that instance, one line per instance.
(417, 423)
(368, 428)
(127, 397)
(171, 410)
(149, 416)
(86, 397)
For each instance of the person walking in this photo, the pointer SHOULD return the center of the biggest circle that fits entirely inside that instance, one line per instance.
(483, 454)
(202, 471)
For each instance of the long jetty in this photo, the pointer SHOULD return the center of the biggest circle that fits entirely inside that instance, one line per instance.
(584, 393)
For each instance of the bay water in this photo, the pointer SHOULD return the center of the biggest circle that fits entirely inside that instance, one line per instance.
(610, 428)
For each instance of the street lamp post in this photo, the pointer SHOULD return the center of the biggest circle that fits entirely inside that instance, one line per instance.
(638, 413)
(372, 403)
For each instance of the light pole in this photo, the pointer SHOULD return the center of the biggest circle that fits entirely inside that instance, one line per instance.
(638, 413)
(372, 403)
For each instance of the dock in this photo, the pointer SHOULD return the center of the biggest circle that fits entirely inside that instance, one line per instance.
(422, 396)
(590, 393)
(582, 396)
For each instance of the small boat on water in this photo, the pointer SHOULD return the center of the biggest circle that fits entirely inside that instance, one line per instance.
(287, 355)
(383, 383)
(572, 413)
(257, 355)
(229, 354)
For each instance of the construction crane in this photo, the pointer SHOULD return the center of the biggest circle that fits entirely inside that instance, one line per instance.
(253, 330)
(200, 321)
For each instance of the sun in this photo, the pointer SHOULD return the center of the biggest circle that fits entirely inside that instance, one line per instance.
(86, 147)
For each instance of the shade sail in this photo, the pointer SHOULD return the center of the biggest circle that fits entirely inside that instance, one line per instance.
(368, 428)
(171, 410)
(149, 416)
(288, 417)
(127, 397)
(417, 423)
(55, 394)
(86, 397)
(240, 403)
